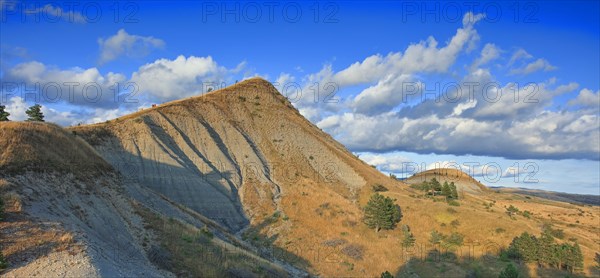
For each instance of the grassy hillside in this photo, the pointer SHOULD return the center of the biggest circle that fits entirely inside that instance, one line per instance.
(244, 164)
(296, 191)
(36, 146)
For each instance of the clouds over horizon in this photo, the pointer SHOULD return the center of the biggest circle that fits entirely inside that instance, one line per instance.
(433, 108)
(458, 97)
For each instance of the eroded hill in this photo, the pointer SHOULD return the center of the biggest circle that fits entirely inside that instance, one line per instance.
(68, 213)
(243, 165)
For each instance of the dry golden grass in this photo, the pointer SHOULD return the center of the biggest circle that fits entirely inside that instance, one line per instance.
(24, 238)
(38, 146)
(311, 211)
(197, 253)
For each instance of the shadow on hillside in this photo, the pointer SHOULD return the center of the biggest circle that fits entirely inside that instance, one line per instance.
(435, 263)
(208, 191)
(267, 248)
(24, 239)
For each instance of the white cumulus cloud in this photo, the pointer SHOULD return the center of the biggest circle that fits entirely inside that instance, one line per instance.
(123, 43)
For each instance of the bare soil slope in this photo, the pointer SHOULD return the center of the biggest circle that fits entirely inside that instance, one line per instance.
(229, 154)
(245, 158)
(67, 213)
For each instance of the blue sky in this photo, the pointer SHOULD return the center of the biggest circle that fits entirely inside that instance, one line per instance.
(382, 58)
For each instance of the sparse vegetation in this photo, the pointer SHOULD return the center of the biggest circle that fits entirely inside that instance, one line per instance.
(354, 251)
(386, 274)
(381, 213)
(455, 239)
(1, 208)
(408, 239)
(454, 203)
(379, 188)
(557, 233)
(434, 188)
(184, 244)
(545, 250)
(436, 237)
(509, 272)
(3, 263)
(511, 210)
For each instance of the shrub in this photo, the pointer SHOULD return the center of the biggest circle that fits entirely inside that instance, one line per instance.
(509, 272)
(334, 242)
(386, 274)
(354, 251)
(3, 263)
(436, 237)
(409, 238)
(1, 208)
(454, 203)
(455, 239)
(455, 223)
(557, 233)
(500, 230)
(379, 188)
(511, 210)
(206, 232)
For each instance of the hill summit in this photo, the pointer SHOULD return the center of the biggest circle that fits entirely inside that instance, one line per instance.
(463, 181)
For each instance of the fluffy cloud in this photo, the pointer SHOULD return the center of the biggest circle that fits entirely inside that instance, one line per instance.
(87, 87)
(461, 107)
(166, 79)
(586, 98)
(472, 114)
(123, 43)
(424, 56)
(520, 54)
(537, 65)
(65, 115)
(549, 135)
(387, 163)
(17, 106)
(386, 94)
(489, 53)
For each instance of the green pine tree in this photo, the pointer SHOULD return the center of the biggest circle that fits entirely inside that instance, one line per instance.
(436, 237)
(381, 213)
(409, 238)
(454, 192)
(547, 251)
(524, 247)
(573, 258)
(35, 113)
(435, 185)
(3, 114)
(446, 191)
(509, 272)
